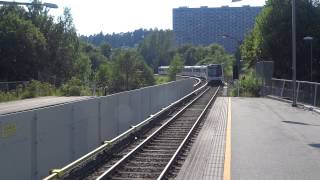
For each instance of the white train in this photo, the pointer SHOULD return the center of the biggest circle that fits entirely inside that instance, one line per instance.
(213, 73)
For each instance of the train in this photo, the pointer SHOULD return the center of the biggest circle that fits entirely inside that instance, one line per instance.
(213, 73)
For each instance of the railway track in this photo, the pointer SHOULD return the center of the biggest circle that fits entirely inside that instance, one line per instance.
(151, 157)
(151, 153)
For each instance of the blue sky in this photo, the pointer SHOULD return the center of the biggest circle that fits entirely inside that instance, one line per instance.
(93, 16)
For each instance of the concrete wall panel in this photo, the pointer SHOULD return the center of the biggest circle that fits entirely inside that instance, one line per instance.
(145, 103)
(135, 104)
(109, 116)
(17, 145)
(86, 126)
(125, 112)
(55, 138)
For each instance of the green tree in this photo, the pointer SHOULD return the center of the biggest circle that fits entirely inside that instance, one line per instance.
(156, 48)
(271, 37)
(129, 71)
(105, 50)
(215, 54)
(22, 46)
(176, 65)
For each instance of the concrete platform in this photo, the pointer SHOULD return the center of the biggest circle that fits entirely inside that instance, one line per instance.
(206, 157)
(268, 139)
(272, 140)
(27, 104)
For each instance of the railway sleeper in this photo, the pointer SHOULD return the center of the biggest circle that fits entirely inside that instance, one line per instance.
(155, 147)
(164, 151)
(154, 154)
(146, 164)
(142, 169)
(147, 159)
(124, 174)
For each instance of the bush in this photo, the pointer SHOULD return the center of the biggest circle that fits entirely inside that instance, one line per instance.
(161, 79)
(8, 96)
(250, 85)
(36, 89)
(75, 87)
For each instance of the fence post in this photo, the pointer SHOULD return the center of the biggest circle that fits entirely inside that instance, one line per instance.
(284, 82)
(315, 95)
(298, 88)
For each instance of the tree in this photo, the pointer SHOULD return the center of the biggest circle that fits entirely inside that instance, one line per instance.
(215, 54)
(105, 50)
(22, 46)
(156, 48)
(129, 71)
(271, 37)
(176, 65)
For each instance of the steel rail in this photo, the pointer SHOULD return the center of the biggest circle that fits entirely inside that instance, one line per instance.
(58, 173)
(174, 157)
(107, 173)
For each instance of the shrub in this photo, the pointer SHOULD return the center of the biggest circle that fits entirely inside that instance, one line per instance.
(75, 87)
(37, 88)
(249, 85)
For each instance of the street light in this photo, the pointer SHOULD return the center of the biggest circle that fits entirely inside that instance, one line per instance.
(48, 5)
(309, 38)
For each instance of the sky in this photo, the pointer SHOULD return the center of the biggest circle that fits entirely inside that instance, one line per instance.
(108, 16)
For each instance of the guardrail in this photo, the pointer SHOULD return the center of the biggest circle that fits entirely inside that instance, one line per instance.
(307, 92)
(58, 173)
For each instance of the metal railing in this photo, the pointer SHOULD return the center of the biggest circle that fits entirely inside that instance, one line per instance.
(307, 92)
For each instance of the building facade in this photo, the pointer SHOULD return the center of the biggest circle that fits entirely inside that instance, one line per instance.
(204, 26)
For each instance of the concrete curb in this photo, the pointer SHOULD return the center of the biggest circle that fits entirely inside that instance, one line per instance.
(299, 105)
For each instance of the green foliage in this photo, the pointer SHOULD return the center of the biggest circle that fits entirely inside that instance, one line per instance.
(250, 85)
(271, 37)
(31, 90)
(176, 65)
(75, 87)
(104, 75)
(156, 48)
(22, 46)
(215, 54)
(129, 71)
(118, 40)
(161, 79)
(8, 96)
(33, 44)
(105, 50)
(37, 88)
(82, 67)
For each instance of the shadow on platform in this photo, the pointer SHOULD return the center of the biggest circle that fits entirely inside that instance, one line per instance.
(300, 123)
(314, 145)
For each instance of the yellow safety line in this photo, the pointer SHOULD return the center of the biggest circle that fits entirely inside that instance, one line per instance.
(227, 155)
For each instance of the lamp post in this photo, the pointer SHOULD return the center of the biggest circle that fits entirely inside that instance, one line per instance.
(309, 38)
(294, 55)
(48, 5)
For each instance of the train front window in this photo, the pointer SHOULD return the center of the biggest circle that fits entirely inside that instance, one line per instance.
(214, 71)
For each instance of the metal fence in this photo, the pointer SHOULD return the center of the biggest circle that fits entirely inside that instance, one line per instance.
(14, 85)
(307, 92)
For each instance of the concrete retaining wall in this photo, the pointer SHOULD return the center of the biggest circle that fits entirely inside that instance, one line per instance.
(33, 142)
